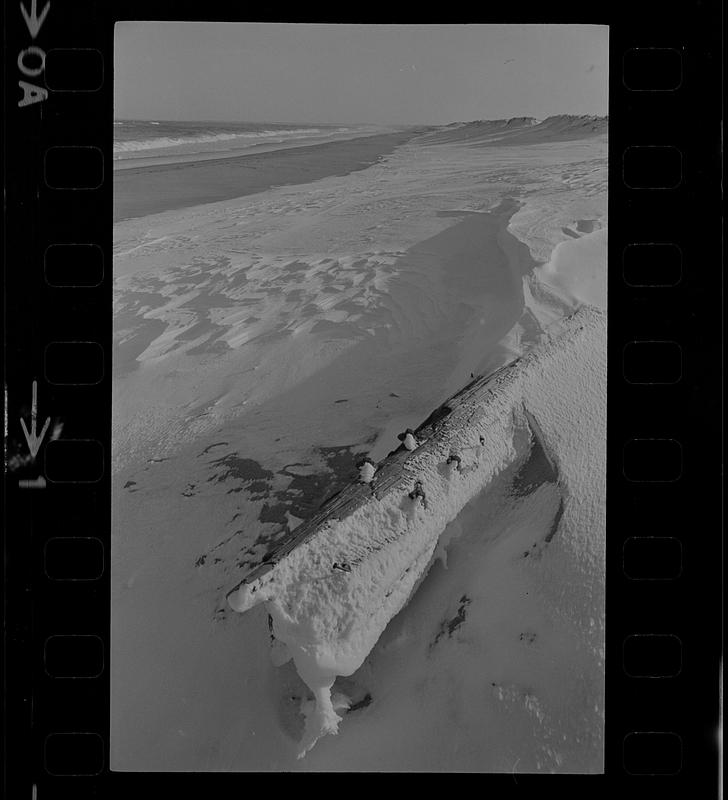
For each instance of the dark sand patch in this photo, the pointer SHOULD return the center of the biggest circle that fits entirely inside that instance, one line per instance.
(305, 494)
(239, 469)
(301, 498)
(449, 627)
(585, 225)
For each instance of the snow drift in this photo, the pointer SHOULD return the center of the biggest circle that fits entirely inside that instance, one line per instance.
(331, 597)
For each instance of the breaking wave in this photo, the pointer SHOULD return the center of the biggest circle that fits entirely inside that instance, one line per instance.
(134, 145)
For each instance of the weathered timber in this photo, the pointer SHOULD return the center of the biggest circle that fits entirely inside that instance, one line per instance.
(391, 472)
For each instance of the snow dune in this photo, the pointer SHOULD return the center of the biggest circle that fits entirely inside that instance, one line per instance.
(263, 342)
(520, 131)
(330, 618)
(576, 267)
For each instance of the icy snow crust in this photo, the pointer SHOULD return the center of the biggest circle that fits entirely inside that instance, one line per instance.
(329, 619)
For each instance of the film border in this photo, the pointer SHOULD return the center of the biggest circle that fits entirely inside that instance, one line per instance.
(664, 453)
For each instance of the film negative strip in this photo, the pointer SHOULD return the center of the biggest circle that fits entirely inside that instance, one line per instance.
(663, 655)
(663, 453)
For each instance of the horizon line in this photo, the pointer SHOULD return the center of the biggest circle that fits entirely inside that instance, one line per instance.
(361, 122)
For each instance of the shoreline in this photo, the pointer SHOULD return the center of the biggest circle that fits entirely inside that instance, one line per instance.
(169, 187)
(177, 154)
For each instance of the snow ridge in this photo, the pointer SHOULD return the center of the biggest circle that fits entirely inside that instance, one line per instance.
(328, 619)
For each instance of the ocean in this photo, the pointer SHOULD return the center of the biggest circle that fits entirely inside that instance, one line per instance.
(150, 139)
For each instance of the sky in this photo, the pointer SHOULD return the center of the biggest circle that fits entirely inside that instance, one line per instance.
(379, 74)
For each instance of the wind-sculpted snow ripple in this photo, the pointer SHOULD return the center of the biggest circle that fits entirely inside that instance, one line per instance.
(220, 305)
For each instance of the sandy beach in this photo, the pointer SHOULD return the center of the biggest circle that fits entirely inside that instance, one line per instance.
(278, 315)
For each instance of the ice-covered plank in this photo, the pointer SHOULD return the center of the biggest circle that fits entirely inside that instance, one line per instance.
(391, 472)
(334, 593)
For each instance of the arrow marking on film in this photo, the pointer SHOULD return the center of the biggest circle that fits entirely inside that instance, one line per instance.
(32, 20)
(33, 440)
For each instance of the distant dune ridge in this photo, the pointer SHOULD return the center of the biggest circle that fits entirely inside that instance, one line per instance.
(520, 130)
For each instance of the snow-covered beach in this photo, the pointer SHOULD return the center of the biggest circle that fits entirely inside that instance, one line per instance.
(263, 343)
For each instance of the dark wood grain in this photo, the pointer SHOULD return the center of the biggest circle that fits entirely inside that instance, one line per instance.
(391, 472)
